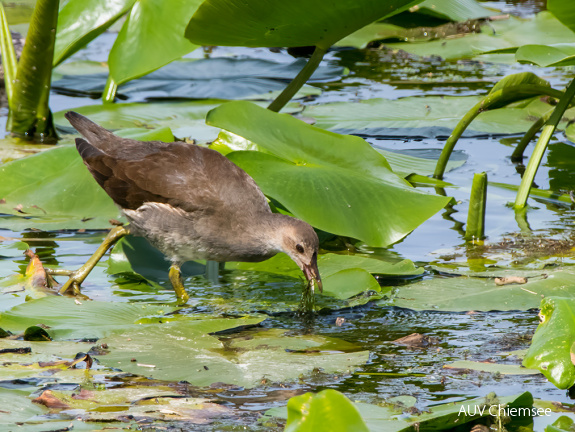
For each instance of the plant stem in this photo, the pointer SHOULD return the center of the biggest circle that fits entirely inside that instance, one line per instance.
(483, 105)
(301, 78)
(29, 111)
(475, 228)
(535, 159)
(110, 90)
(517, 155)
(9, 60)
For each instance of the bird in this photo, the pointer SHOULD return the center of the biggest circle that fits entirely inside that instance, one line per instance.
(191, 203)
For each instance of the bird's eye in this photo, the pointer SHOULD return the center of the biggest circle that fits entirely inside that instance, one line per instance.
(299, 248)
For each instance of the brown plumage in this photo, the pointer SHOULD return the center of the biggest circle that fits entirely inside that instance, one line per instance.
(191, 202)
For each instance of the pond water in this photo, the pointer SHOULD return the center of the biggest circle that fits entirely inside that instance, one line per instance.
(392, 370)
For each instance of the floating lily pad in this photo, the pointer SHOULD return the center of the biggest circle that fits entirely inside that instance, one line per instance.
(459, 294)
(428, 117)
(441, 9)
(504, 36)
(201, 359)
(562, 54)
(69, 319)
(28, 185)
(214, 78)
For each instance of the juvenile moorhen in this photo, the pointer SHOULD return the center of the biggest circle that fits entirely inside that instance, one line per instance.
(190, 202)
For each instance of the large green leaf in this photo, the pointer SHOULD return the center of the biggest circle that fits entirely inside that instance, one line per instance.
(552, 349)
(202, 359)
(345, 181)
(279, 23)
(80, 21)
(461, 10)
(564, 10)
(153, 27)
(328, 411)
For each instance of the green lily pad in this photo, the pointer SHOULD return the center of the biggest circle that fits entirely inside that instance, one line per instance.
(69, 319)
(18, 408)
(562, 54)
(442, 9)
(202, 359)
(54, 190)
(504, 36)
(214, 78)
(552, 349)
(460, 294)
(429, 117)
(185, 119)
(29, 188)
(340, 175)
(276, 23)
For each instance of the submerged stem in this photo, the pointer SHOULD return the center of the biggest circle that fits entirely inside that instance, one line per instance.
(301, 78)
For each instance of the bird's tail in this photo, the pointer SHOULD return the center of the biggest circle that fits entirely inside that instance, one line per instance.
(95, 134)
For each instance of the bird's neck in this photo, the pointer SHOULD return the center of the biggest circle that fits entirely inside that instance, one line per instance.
(270, 231)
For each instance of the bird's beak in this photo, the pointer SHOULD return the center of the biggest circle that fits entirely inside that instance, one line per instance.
(312, 273)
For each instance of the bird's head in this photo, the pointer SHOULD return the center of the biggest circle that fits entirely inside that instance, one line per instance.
(300, 242)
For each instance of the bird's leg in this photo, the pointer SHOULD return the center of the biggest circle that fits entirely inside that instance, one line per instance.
(78, 276)
(212, 271)
(175, 275)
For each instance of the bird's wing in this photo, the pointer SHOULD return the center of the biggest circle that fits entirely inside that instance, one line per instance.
(183, 175)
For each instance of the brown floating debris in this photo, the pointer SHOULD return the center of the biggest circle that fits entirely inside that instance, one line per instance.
(510, 280)
(48, 399)
(415, 340)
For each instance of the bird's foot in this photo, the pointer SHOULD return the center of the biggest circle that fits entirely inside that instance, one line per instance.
(75, 278)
